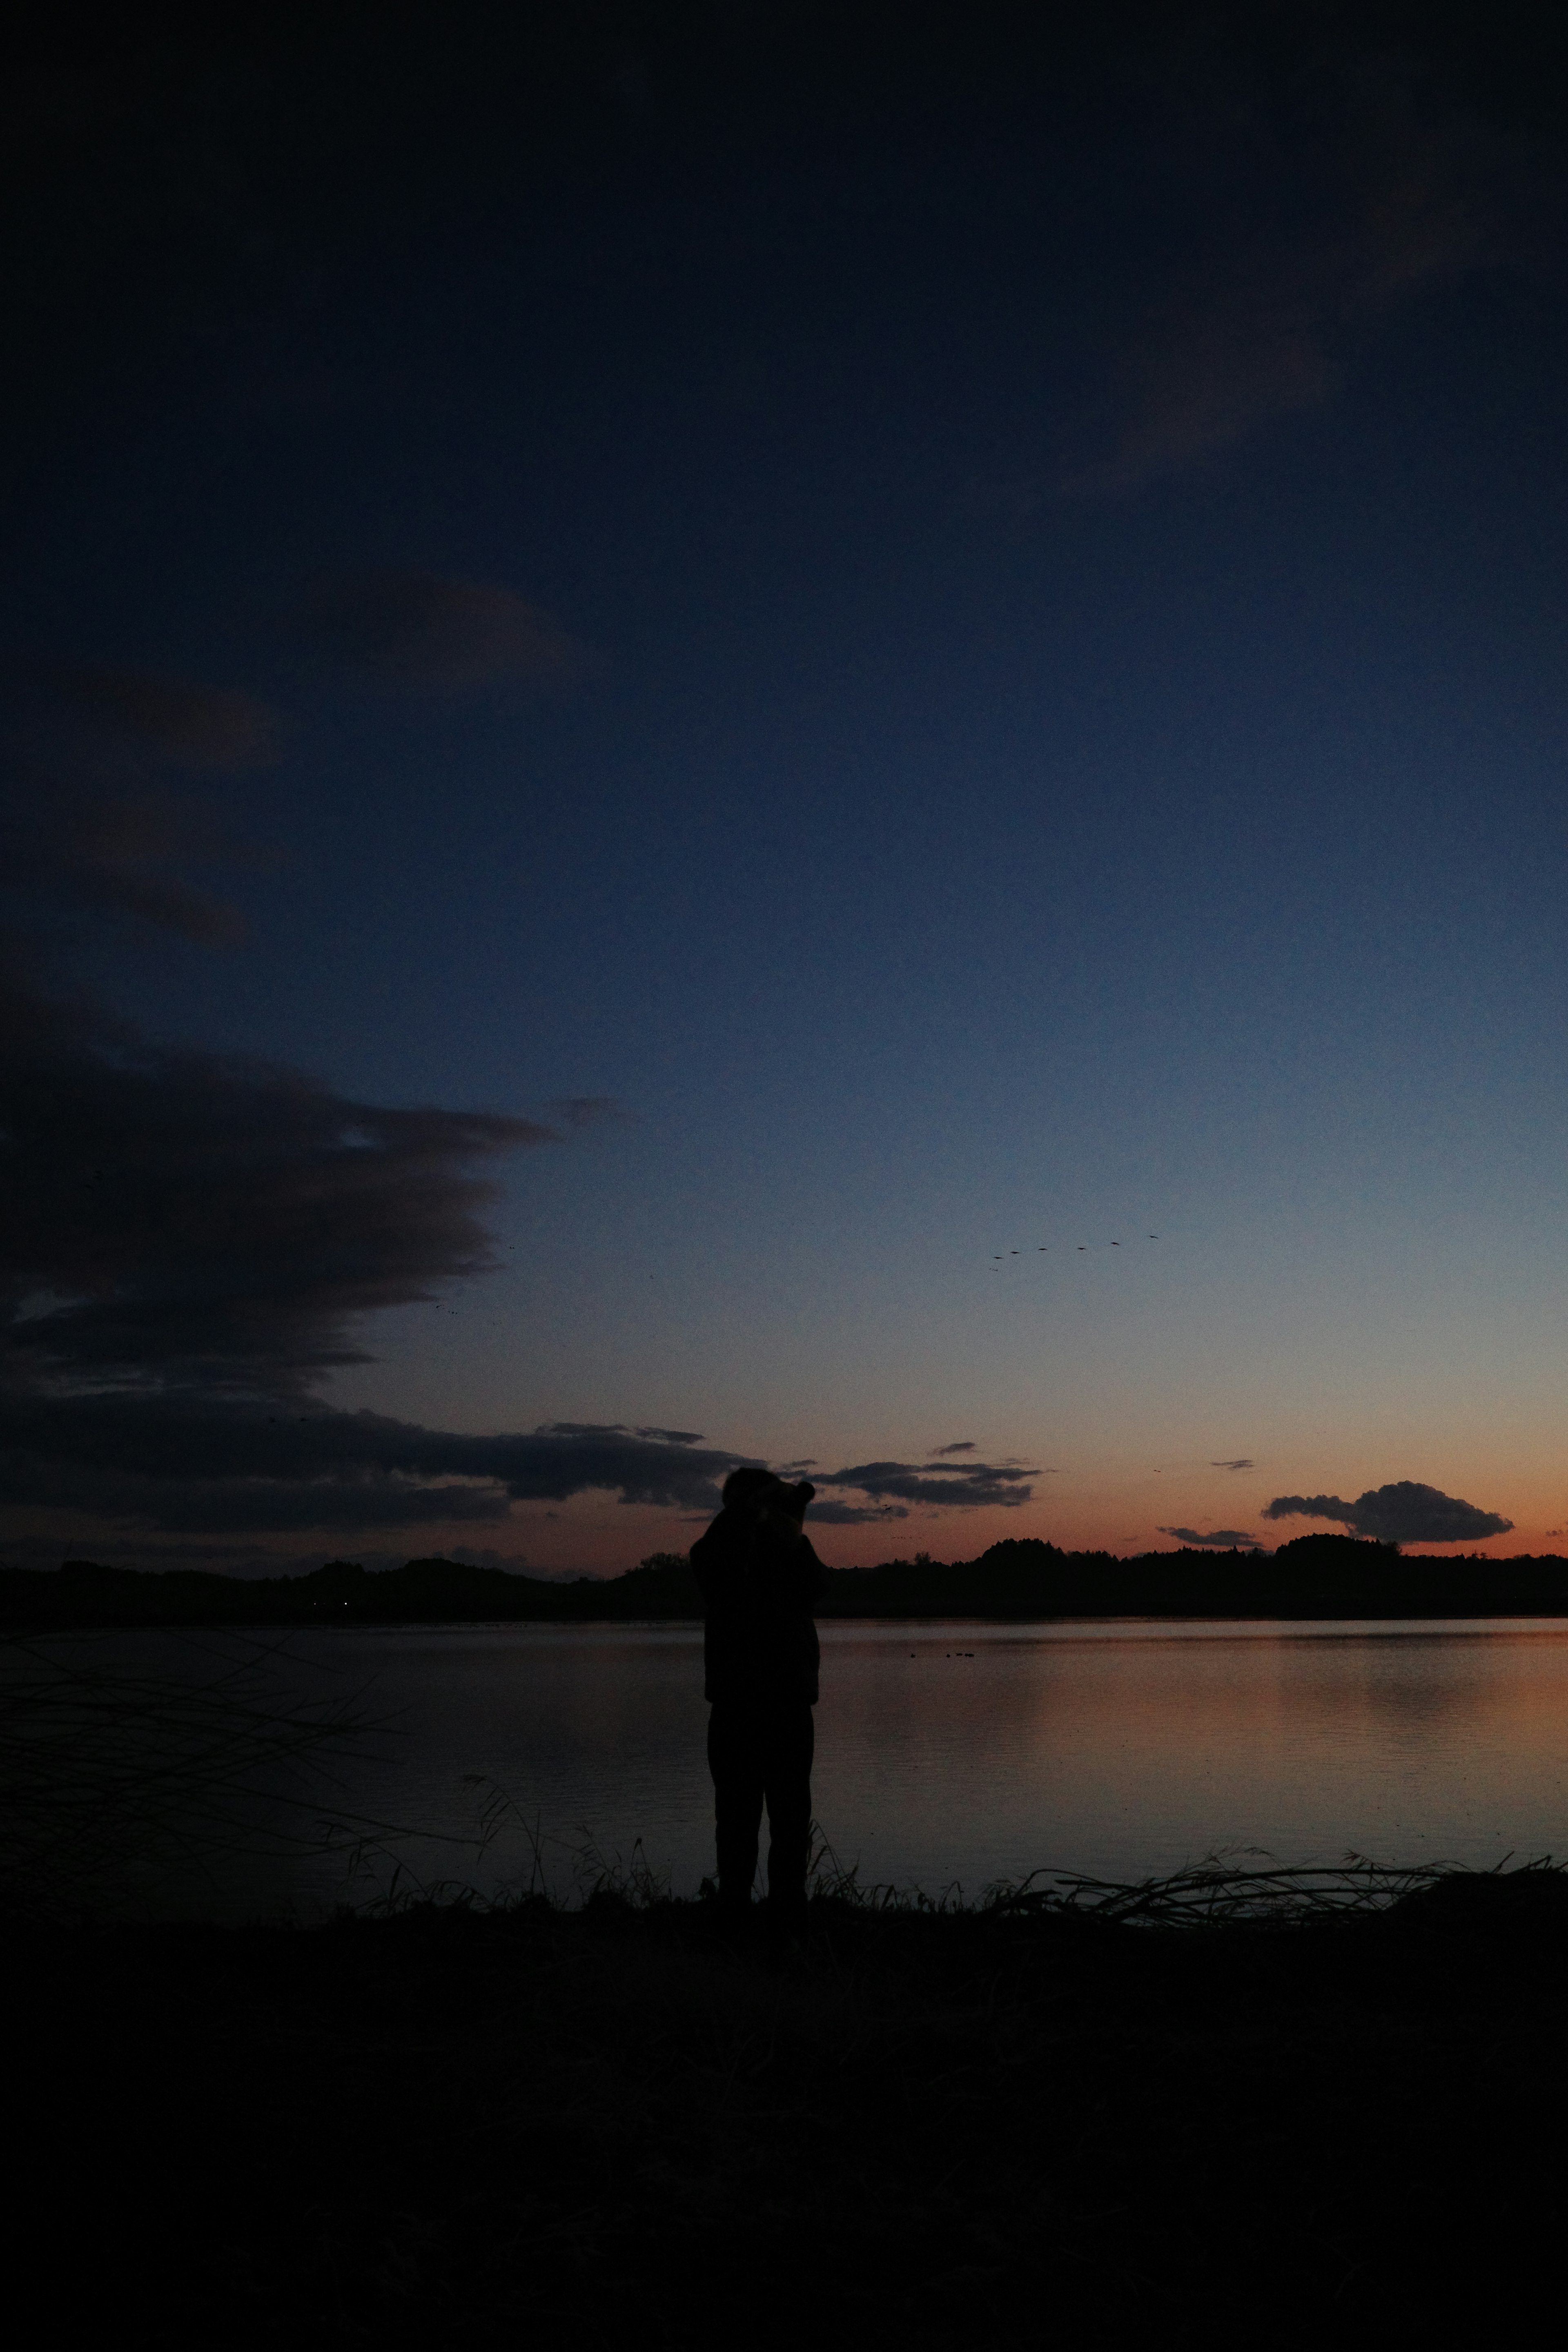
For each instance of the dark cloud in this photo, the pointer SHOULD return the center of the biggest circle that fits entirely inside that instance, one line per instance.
(185, 1461)
(958, 1445)
(187, 1245)
(1405, 1512)
(170, 1217)
(414, 628)
(967, 1485)
(1229, 1537)
(1242, 1462)
(828, 1512)
(195, 726)
(594, 1432)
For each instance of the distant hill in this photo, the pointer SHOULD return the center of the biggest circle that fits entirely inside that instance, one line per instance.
(422, 1591)
(1313, 1577)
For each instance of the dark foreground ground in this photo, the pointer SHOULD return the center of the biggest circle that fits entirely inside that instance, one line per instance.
(603, 2129)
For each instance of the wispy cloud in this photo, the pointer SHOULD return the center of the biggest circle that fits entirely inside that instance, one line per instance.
(89, 819)
(578, 1111)
(128, 854)
(417, 628)
(1242, 1462)
(958, 1445)
(956, 1485)
(1266, 329)
(195, 726)
(1397, 187)
(1403, 1512)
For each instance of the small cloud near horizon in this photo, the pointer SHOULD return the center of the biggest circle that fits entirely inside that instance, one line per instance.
(958, 1445)
(1402, 1512)
(1242, 1462)
(1228, 1536)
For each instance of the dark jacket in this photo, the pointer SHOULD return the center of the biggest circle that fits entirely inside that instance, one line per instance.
(759, 1640)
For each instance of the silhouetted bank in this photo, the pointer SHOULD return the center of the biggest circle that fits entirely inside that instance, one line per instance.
(1313, 1577)
(607, 2129)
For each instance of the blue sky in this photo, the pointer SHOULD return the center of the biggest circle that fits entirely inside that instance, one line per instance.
(973, 656)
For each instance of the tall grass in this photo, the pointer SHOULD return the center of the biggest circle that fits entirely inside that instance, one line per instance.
(1224, 1890)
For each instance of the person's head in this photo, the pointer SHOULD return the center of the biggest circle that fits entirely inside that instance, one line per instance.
(764, 1494)
(748, 1489)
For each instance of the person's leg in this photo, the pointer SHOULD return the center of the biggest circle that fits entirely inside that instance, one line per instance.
(737, 1768)
(791, 1741)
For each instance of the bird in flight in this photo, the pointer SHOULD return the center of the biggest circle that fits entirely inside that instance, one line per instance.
(1042, 1249)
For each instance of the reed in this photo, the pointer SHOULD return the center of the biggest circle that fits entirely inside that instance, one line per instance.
(1224, 1890)
(119, 1777)
(1222, 1893)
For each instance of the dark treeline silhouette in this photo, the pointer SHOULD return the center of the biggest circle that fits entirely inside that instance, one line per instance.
(1315, 1576)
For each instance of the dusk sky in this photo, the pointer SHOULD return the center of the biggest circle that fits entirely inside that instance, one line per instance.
(885, 686)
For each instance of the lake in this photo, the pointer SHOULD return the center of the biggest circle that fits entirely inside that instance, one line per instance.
(947, 1754)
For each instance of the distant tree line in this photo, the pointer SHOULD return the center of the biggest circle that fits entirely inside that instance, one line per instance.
(1315, 1576)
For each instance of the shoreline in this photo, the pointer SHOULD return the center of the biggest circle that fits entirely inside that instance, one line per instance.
(1435, 1620)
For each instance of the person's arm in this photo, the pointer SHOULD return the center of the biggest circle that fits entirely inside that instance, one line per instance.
(812, 1575)
(712, 1560)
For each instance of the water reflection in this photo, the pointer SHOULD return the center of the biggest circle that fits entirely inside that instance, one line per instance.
(951, 1753)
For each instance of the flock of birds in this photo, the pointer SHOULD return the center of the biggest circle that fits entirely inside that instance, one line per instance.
(1000, 1258)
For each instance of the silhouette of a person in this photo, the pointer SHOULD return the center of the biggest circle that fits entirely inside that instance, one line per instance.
(759, 1576)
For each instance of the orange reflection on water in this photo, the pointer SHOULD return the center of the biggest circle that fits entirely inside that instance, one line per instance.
(1127, 1749)
(947, 1753)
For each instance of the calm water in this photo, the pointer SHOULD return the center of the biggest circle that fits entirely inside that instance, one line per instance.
(956, 1753)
